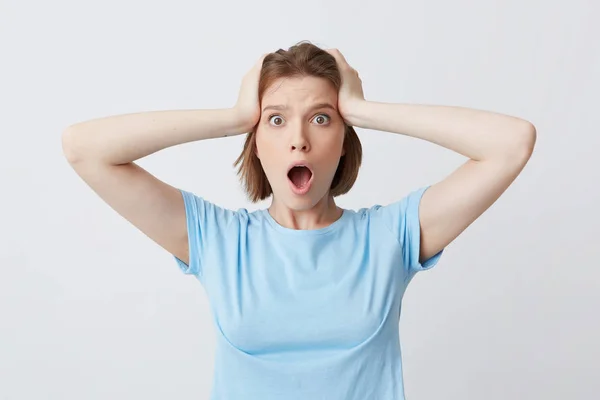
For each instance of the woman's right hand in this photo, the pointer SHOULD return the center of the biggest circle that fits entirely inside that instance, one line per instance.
(247, 107)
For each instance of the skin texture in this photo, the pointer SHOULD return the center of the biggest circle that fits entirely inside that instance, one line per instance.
(498, 147)
(103, 152)
(300, 122)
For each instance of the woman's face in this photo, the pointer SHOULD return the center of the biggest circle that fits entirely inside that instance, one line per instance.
(300, 123)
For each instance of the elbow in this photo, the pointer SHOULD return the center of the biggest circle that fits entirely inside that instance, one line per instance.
(69, 139)
(528, 137)
(522, 143)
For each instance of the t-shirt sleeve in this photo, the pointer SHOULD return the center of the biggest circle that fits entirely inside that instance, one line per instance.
(402, 218)
(205, 222)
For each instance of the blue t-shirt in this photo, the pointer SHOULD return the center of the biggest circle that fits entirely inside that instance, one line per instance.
(305, 314)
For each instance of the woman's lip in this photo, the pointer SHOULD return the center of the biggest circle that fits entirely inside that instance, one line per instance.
(300, 164)
(303, 190)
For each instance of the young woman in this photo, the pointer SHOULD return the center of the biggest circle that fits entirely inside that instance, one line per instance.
(305, 295)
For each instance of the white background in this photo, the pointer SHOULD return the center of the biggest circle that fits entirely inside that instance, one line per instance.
(90, 308)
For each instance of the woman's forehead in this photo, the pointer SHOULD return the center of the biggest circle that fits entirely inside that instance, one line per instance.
(287, 91)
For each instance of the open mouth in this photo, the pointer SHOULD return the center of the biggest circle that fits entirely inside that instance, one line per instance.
(301, 177)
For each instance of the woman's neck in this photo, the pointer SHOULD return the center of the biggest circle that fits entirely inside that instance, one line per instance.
(321, 215)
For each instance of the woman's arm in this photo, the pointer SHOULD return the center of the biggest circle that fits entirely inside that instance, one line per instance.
(478, 135)
(102, 152)
(125, 138)
(498, 148)
(122, 139)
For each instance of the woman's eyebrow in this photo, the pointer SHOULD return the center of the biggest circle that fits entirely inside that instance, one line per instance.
(281, 107)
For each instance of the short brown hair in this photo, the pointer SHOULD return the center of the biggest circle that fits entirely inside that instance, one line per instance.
(302, 59)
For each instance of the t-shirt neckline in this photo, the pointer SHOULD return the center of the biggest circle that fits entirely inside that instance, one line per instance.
(304, 232)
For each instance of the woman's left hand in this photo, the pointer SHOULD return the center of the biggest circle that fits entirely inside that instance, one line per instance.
(351, 94)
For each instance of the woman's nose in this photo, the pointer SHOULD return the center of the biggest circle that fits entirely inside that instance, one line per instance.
(300, 142)
(300, 146)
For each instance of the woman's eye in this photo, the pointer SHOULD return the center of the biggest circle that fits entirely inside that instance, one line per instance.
(275, 119)
(322, 118)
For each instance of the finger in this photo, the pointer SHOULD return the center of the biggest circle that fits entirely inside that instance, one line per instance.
(257, 67)
(254, 72)
(260, 61)
(339, 57)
